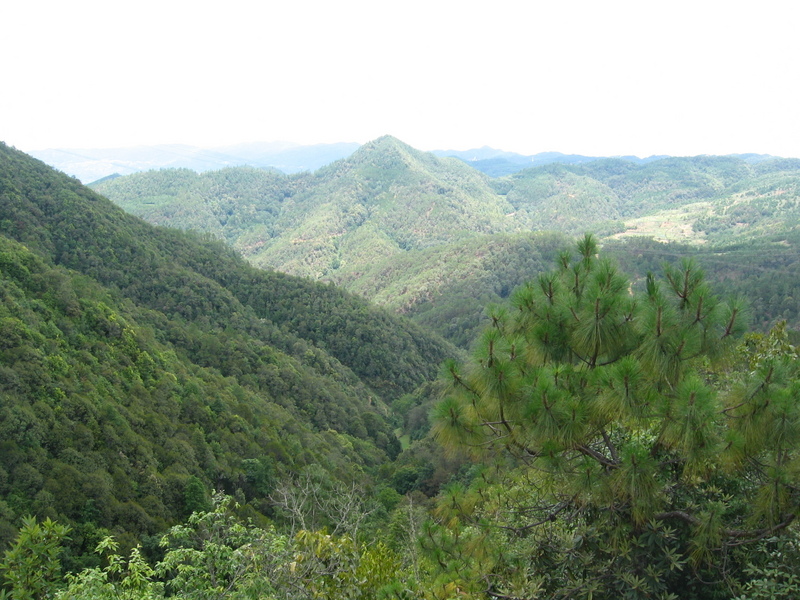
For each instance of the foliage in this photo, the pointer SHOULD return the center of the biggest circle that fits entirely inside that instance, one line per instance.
(773, 570)
(118, 580)
(31, 566)
(607, 438)
(762, 270)
(141, 367)
(217, 555)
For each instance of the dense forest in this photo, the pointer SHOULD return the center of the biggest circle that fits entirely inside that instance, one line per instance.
(139, 364)
(435, 240)
(179, 423)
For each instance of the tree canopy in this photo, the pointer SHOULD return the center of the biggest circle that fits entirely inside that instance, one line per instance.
(624, 459)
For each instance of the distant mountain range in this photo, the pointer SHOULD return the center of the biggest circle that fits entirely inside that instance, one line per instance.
(433, 238)
(497, 163)
(93, 164)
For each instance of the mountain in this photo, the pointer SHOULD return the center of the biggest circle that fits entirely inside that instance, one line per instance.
(137, 362)
(385, 199)
(412, 231)
(93, 164)
(498, 163)
(90, 165)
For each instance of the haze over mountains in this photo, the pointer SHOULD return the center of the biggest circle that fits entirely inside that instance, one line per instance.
(92, 164)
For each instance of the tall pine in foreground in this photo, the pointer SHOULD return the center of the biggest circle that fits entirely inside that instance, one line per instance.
(619, 464)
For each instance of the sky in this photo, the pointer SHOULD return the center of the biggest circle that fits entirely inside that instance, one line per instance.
(598, 77)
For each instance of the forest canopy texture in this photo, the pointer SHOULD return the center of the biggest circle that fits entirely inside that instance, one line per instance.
(175, 422)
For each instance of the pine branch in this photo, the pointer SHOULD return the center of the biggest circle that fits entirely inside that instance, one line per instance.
(745, 536)
(603, 460)
(611, 447)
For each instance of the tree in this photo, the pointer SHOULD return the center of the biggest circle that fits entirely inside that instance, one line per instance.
(118, 580)
(195, 498)
(616, 468)
(313, 500)
(214, 555)
(31, 566)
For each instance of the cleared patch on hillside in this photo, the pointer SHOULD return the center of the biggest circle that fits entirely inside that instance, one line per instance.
(676, 225)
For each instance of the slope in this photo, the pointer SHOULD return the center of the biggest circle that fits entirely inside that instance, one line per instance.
(383, 200)
(403, 228)
(135, 359)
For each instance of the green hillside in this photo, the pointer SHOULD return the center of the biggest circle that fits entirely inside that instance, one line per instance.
(703, 199)
(446, 288)
(764, 271)
(385, 199)
(388, 198)
(609, 435)
(136, 360)
(435, 239)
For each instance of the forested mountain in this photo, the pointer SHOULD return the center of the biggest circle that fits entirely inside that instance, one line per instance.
(437, 240)
(707, 194)
(139, 365)
(609, 436)
(497, 163)
(385, 199)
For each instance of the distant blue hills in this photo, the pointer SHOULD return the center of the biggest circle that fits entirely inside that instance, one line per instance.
(92, 165)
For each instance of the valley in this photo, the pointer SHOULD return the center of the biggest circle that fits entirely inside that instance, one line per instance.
(413, 232)
(397, 376)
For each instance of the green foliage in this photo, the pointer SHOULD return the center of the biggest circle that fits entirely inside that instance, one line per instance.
(762, 270)
(215, 555)
(595, 408)
(622, 451)
(118, 580)
(195, 497)
(31, 566)
(773, 572)
(141, 366)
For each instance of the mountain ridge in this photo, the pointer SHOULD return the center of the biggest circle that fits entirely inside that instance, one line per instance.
(348, 221)
(93, 164)
(136, 359)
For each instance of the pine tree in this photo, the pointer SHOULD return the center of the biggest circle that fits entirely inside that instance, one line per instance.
(619, 464)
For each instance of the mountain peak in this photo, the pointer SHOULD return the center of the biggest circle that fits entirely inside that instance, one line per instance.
(387, 152)
(388, 142)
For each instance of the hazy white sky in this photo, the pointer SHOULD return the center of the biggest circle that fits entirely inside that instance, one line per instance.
(597, 77)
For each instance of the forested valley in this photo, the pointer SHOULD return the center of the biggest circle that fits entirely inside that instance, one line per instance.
(397, 377)
(436, 240)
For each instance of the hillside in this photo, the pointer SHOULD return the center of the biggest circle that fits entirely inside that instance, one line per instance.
(405, 228)
(446, 288)
(385, 199)
(142, 367)
(136, 360)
